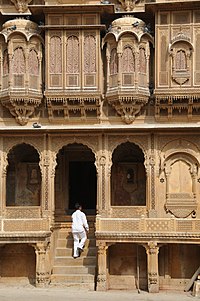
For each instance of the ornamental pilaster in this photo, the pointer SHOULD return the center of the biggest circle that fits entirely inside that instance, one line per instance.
(152, 251)
(47, 166)
(102, 266)
(43, 269)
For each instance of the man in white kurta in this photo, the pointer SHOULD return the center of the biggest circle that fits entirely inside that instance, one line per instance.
(79, 228)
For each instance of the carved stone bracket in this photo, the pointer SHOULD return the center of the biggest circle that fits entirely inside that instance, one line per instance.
(128, 5)
(73, 107)
(21, 108)
(128, 107)
(21, 5)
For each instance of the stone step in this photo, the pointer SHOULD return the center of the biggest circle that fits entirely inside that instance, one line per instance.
(72, 278)
(92, 251)
(68, 243)
(70, 261)
(77, 270)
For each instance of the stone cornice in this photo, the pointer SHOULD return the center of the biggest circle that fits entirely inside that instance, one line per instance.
(162, 237)
(30, 237)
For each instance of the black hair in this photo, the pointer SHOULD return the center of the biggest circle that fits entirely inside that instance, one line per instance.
(77, 206)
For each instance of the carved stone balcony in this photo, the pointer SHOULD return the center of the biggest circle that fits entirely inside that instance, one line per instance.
(21, 65)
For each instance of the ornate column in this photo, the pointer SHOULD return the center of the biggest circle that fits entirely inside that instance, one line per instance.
(43, 268)
(152, 177)
(47, 166)
(152, 251)
(4, 164)
(102, 266)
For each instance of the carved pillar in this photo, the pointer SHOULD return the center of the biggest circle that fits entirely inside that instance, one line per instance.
(137, 68)
(108, 67)
(43, 269)
(10, 76)
(104, 172)
(100, 166)
(152, 251)
(1, 68)
(152, 177)
(102, 267)
(47, 166)
(4, 164)
(26, 74)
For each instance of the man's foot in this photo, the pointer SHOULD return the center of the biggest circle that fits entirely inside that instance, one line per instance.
(80, 250)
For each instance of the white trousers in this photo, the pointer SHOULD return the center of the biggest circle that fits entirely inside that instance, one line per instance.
(79, 241)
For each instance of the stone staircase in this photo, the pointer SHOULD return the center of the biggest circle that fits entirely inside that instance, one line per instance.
(68, 271)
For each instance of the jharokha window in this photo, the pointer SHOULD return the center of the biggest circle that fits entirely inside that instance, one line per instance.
(5, 63)
(72, 55)
(55, 61)
(18, 61)
(33, 63)
(128, 60)
(113, 62)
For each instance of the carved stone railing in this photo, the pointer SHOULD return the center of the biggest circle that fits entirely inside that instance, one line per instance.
(24, 225)
(22, 212)
(146, 227)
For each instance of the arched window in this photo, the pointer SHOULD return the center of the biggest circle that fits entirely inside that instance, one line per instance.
(180, 60)
(90, 54)
(128, 60)
(5, 63)
(113, 62)
(18, 62)
(33, 63)
(142, 60)
(55, 60)
(72, 55)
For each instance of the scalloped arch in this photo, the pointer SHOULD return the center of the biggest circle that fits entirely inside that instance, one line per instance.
(183, 146)
(23, 143)
(58, 145)
(128, 139)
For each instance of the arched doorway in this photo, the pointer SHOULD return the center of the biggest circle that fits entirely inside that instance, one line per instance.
(75, 180)
(23, 181)
(128, 176)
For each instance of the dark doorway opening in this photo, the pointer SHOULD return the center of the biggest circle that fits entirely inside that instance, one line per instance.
(82, 185)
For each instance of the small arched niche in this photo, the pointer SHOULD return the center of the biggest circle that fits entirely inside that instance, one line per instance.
(23, 181)
(181, 172)
(128, 176)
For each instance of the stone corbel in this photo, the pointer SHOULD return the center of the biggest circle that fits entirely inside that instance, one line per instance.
(128, 5)
(21, 5)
